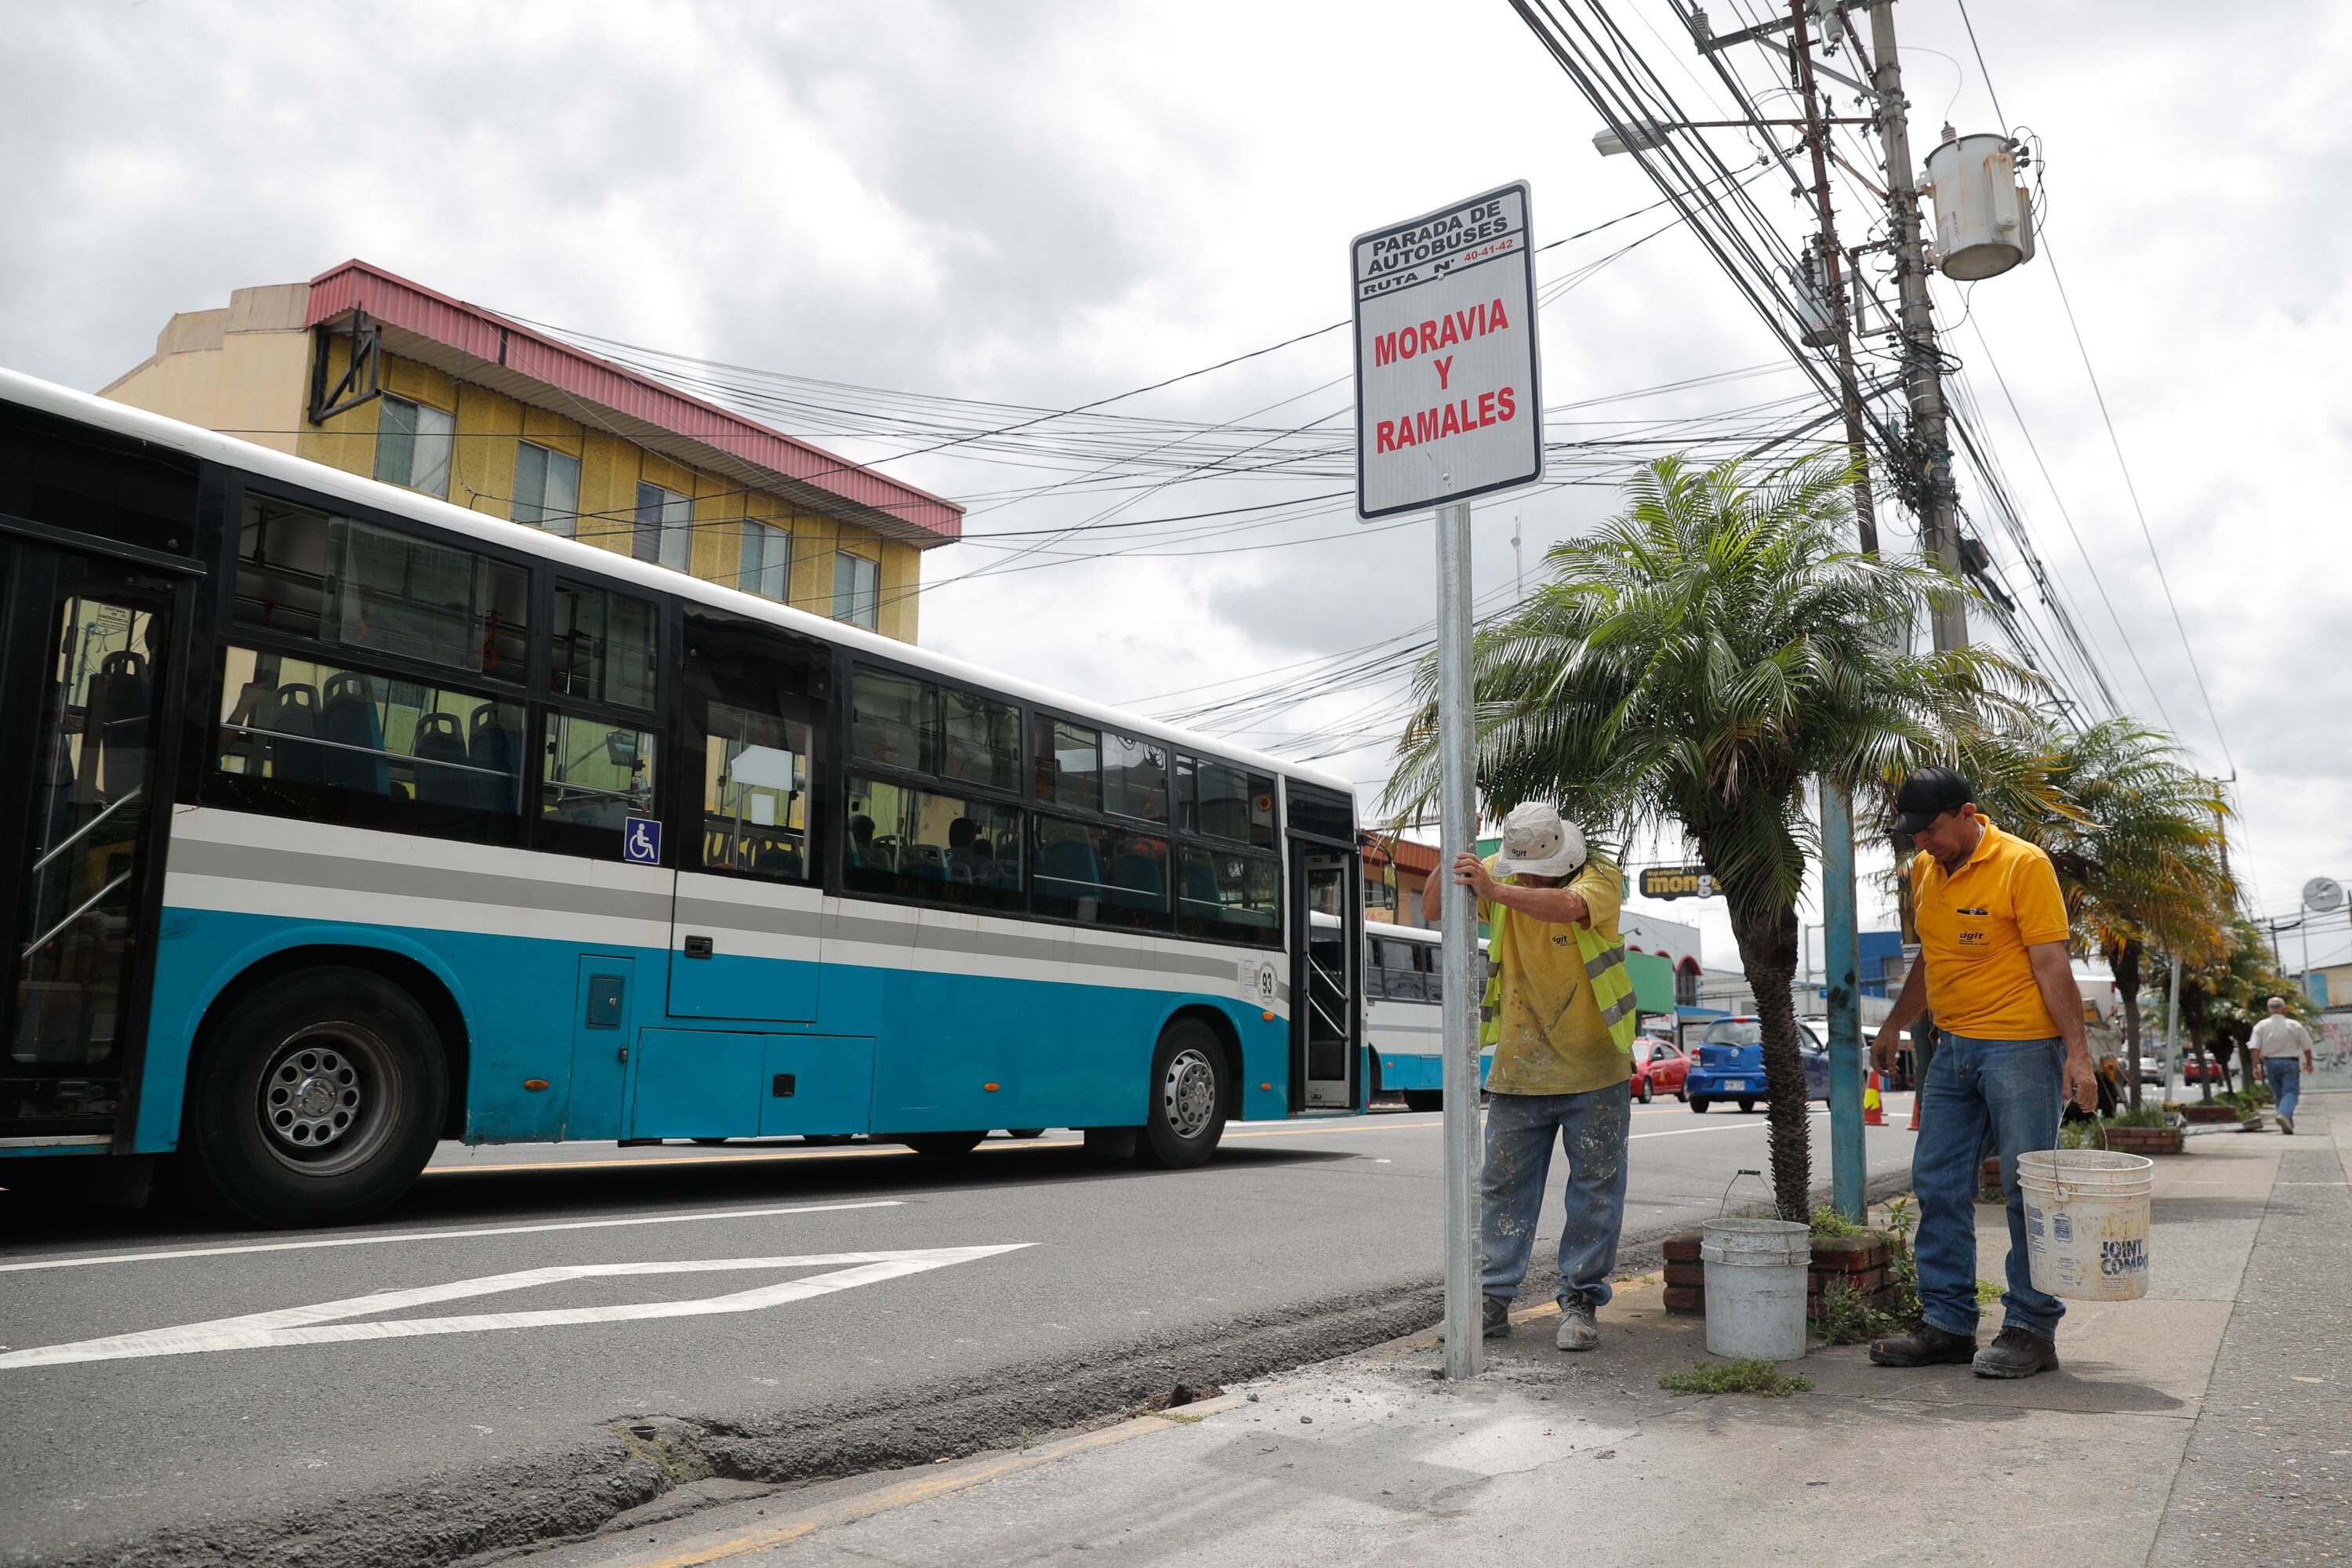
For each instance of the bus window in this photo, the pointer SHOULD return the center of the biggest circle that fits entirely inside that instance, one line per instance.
(1075, 777)
(359, 586)
(1224, 801)
(1105, 875)
(1228, 896)
(603, 646)
(923, 844)
(1135, 778)
(595, 775)
(755, 784)
(301, 737)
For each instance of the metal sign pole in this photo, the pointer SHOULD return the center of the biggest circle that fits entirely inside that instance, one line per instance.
(1465, 1351)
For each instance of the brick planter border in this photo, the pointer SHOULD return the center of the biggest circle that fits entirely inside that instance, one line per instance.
(1858, 1261)
(2150, 1141)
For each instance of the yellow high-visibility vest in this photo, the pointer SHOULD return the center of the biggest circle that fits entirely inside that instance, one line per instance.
(1604, 966)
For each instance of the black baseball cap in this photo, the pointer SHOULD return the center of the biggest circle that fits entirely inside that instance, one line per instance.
(1926, 796)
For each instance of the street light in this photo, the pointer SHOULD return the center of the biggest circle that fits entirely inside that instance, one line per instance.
(1639, 134)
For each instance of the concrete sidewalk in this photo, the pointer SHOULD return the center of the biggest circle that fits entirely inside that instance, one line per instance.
(2210, 1423)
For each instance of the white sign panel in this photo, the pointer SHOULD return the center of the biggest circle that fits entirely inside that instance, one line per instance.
(1447, 399)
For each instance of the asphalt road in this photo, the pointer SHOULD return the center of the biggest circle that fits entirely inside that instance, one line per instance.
(466, 1370)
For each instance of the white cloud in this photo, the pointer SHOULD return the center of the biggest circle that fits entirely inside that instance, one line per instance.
(1046, 204)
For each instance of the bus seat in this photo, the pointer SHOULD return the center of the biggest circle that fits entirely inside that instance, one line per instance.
(1138, 882)
(1201, 883)
(116, 710)
(495, 745)
(293, 711)
(349, 718)
(440, 742)
(1069, 863)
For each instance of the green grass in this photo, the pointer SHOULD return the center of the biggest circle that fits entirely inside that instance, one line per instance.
(1828, 1222)
(1988, 1291)
(1757, 1378)
(1848, 1318)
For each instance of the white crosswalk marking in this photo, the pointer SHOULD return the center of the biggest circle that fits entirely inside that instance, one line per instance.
(322, 1323)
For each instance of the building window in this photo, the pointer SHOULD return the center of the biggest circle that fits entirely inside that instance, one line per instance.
(856, 590)
(1687, 979)
(412, 446)
(665, 533)
(767, 560)
(546, 489)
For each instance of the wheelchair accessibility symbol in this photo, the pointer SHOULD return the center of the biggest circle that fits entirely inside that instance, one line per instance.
(641, 841)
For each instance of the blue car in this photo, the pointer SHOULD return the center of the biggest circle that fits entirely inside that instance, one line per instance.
(1730, 1064)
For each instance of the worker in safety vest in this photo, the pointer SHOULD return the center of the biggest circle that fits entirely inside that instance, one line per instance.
(1559, 1013)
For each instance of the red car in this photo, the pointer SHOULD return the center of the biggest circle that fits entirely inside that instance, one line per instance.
(1658, 1069)
(2197, 1069)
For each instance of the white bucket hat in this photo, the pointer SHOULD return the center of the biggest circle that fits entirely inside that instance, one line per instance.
(1536, 843)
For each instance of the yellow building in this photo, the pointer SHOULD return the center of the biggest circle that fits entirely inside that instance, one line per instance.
(377, 375)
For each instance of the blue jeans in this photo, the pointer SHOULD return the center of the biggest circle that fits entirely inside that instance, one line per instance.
(1591, 1128)
(1981, 1098)
(2286, 1084)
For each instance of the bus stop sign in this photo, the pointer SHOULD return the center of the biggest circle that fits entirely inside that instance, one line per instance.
(1446, 400)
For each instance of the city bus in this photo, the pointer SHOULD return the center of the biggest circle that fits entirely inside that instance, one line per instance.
(345, 820)
(1404, 990)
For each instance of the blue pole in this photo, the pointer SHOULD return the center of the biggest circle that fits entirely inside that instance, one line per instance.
(1840, 958)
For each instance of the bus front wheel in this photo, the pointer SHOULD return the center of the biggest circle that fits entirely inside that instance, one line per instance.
(1424, 1099)
(1188, 1098)
(317, 1099)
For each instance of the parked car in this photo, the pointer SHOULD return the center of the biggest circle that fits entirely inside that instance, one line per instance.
(2151, 1071)
(2197, 1069)
(1659, 1068)
(1730, 1064)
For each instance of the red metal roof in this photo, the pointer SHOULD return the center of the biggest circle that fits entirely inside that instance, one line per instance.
(479, 346)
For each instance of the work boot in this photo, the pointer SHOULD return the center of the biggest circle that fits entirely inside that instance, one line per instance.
(1926, 1345)
(2016, 1352)
(1578, 1331)
(1494, 1318)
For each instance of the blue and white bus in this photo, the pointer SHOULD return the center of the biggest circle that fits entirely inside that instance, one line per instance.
(345, 821)
(1404, 992)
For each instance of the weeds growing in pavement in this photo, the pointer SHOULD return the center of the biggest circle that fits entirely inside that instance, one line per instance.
(1759, 1378)
(1848, 1316)
(1988, 1291)
(1828, 1222)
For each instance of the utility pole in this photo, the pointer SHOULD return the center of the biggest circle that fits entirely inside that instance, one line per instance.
(1841, 942)
(1939, 533)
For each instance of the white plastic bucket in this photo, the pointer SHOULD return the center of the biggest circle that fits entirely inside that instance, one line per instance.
(1756, 1287)
(2087, 1222)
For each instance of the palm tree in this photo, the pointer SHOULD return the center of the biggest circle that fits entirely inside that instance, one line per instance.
(2142, 863)
(1692, 662)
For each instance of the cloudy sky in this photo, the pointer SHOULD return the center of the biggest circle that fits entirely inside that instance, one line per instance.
(1044, 205)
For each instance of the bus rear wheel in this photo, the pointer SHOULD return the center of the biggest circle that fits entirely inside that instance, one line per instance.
(317, 1099)
(1424, 1099)
(1188, 1098)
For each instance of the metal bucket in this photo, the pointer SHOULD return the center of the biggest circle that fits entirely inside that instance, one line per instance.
(1756, 1287)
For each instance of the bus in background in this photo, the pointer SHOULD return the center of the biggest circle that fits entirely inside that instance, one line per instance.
(1403, 994)
(346, 820)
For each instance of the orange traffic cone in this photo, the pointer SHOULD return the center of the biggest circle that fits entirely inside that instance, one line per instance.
(1874, 1108)
(1918, 1093)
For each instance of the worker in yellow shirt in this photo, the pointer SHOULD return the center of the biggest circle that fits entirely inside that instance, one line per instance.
(1562, 1027)
(2011, 1052)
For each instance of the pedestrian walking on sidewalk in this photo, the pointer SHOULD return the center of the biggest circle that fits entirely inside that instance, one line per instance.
(2276, 1044)
(1560, 1015)
(1995, 967)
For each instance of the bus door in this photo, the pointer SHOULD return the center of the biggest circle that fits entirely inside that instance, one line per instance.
(84, 806)
(1326, 937)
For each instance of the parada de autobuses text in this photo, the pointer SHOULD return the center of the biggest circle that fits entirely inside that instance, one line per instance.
(1427, 242)
(1494, 407)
